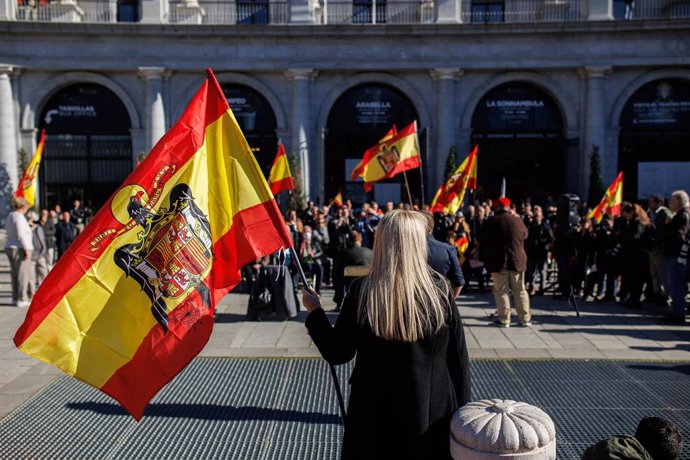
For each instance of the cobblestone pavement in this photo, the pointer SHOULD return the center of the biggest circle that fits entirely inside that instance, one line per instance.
(602, 331)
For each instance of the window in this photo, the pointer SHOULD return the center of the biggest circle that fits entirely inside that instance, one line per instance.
(252, 12)
(488, 11)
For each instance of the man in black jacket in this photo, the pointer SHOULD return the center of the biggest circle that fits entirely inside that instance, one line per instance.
(65, 232)
(676, 243)
(540, 237)
(355, 255)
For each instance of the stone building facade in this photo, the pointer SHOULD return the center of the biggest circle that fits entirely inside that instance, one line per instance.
(537, 84)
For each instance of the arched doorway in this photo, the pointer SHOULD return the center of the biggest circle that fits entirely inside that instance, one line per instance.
(257, 121)
(519, 129)
(359, 118)
(654, 139)
(88, 149)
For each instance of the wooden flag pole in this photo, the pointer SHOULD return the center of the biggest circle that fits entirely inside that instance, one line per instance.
(407, 185)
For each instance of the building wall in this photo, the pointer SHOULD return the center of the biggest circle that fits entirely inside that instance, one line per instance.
(570, 61)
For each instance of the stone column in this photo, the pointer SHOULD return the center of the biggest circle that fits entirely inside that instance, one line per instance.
(301, 12)
(7, 10)
(154, 11)
(8, 132)
(154, 121)
(450, 11)
(599, 10)
(446, 122)
(301, 128)
(595, 121)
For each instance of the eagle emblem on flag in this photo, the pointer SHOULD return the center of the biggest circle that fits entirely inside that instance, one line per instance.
(173, 252)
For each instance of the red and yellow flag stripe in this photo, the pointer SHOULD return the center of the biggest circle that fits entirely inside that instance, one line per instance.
(94, 322)
(280, 178)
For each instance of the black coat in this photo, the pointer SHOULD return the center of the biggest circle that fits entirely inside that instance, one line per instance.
(354, 256)
(64, 235)
(402, 394)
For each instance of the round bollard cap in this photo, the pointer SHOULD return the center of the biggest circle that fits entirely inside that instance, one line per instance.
(502, 426)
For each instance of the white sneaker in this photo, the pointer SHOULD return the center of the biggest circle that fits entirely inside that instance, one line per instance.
(23, 303)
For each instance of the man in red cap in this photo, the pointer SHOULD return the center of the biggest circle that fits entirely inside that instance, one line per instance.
(502, 249)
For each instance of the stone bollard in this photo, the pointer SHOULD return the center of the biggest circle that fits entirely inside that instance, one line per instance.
(497, 428)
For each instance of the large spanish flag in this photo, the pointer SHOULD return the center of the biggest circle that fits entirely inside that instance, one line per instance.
(131, 302)
(392, 155)
(449, 196)
(280, 178)
(611, 203)
(27, 185)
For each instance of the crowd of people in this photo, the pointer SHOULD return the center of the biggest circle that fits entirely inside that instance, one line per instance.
(36, 240)
(639, 256)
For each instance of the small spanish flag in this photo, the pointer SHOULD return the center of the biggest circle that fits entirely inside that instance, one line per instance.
(611, 203)
(449, 197)
(27, 185)
(396, 152)
(338, 199)
(461, 245)
(131, 302)
(280, 178)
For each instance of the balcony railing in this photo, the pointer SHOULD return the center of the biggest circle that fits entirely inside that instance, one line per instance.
(651, 9)
(376, 12)
(229, 12)
(68, 11)
(514, 11)
(340, 11)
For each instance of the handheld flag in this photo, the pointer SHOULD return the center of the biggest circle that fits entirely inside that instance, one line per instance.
(359, 169)
(449, 196)
(461, 245)
(338, 199)
(611, 203)
(27, 185)
(280, 178)
(394, 154)
(131, 302)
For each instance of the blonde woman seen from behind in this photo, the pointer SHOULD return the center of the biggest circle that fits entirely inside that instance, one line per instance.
(412, 367)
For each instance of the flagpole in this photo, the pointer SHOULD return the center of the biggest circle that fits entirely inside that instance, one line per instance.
(421, 163)
(334, 376)
(407, 185)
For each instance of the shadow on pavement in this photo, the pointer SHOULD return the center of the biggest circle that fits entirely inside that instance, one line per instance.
(681, 368)
(211, 412)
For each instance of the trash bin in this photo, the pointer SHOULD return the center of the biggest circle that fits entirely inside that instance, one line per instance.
(498, 428)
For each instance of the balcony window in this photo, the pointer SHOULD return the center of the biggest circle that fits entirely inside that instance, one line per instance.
(253, 12)
(128, 11)
(488, 11)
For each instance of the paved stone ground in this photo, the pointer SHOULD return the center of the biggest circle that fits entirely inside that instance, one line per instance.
(603, 331)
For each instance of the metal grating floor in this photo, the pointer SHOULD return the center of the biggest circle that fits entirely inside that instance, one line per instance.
(286, 409)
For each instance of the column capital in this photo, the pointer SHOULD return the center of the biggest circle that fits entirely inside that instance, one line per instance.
(153, 73)
(301, 74)
(446, 73)
(595, 71)
(10, 70)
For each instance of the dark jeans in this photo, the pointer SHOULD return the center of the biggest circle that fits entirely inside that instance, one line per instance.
(536, 265)
(677, 285)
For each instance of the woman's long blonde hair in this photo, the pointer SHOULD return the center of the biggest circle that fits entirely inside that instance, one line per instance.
(402, 298)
